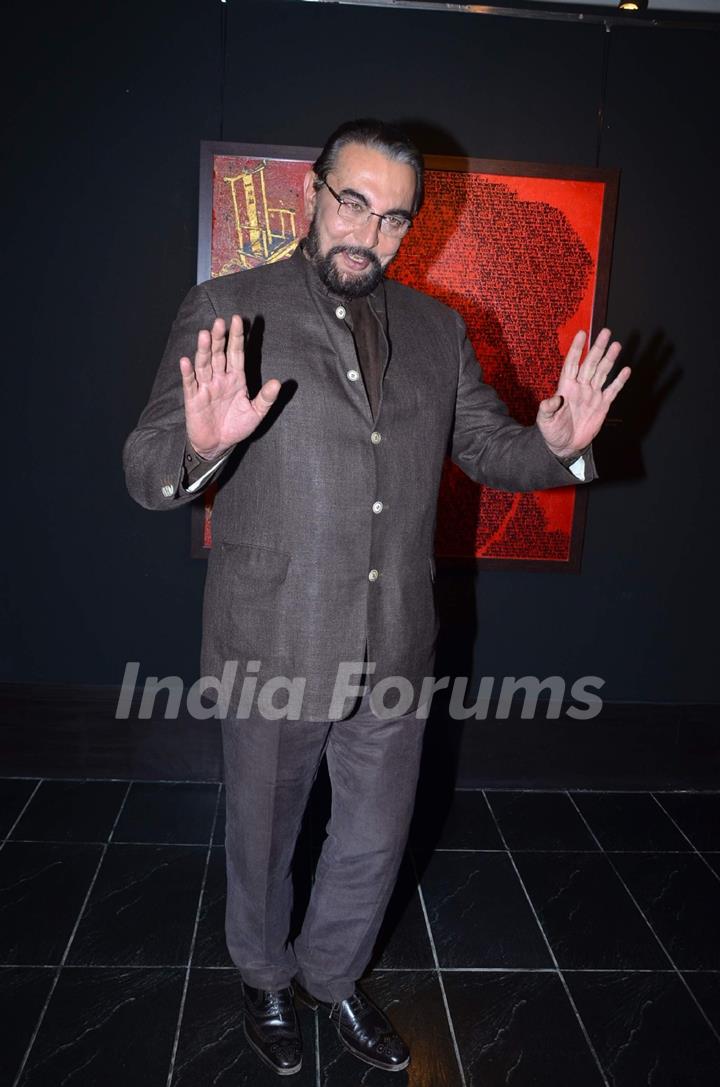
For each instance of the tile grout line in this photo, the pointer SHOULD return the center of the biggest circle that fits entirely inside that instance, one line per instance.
(558, 789)
(439, 849)
(186, 981)
(68, 945)
(116, 841)
(122, 781)
(540, 849)
(437, 971)
(687, 838)
(640, 910)
(384, 969)
(560, 974)
(22, 811)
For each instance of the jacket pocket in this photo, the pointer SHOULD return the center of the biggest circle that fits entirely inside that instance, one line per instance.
(254, 574)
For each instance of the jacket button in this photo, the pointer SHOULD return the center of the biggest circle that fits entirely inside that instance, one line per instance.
(373, 575)
(376, 437)
(352, 375)
(377, 507)
(340, 312)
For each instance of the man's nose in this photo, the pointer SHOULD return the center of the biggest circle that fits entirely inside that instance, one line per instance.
(369, 232)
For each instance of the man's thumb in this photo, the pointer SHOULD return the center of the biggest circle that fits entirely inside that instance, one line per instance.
(550, 406)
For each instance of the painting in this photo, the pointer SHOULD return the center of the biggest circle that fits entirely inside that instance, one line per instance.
(521, 250)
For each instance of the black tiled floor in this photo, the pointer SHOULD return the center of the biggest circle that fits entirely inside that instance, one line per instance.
(14, 794)
(23, 991)
(167, 812)
(43, 886)
(629, 821)
(697, 815)
(540, 821)
(570, 939)
(527, 1021)
(71, 811)
(478, 913)
(142, 908)
(109, 1027)
(590, 920)
(680, 896)
(645, 1028)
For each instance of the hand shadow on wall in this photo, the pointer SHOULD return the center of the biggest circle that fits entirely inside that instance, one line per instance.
(618, 446)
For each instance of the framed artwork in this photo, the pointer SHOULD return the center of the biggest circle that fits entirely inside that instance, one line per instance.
(521, 250)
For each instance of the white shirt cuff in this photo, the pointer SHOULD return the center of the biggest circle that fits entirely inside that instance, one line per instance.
(199, 482)
(578, 468)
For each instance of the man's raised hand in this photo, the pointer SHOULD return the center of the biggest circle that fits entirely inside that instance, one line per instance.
(570, 419)
(218, 411)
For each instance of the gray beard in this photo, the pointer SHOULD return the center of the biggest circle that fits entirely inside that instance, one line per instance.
(346, 285)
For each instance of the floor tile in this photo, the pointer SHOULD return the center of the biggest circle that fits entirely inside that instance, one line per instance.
(167, 812)
(629, 821)
(14, 793)
(23, 991)
(413, 1002)
(588, 917)
(478, 913)
(540, 821)
(646, 1029)
(142, 908)
(212, 1048)
(680, 897)
(697, 814)
(518, 1028)
(467, 825)
(713, 860)
(403, 941)
(706, 989)
(42, 887)
(71, 811)
(107, 1027)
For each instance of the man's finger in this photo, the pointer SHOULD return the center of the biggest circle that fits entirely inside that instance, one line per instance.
(217, 338)
(551, 405)
(615, 386)
(605, 365)
(266, 397)
(203, 369)
(572, 359)
(236, 345)
(587, 371)
(189, 380)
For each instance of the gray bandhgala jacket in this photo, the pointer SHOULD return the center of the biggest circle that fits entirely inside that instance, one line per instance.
(307, 568)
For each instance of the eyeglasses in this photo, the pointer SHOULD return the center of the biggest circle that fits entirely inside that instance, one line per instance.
(355, 212)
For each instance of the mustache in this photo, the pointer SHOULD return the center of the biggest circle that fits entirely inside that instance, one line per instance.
(355, 251)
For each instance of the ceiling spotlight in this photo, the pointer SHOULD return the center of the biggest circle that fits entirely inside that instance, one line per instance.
(633, 5)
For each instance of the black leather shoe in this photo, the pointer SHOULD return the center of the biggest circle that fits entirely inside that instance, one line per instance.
(364, 1030)
(271, 1028)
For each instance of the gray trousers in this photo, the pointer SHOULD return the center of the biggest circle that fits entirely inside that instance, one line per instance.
(270, 767)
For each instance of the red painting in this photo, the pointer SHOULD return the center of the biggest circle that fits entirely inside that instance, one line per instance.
(520, 250)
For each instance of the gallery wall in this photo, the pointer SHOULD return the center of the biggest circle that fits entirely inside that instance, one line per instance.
(108, 105)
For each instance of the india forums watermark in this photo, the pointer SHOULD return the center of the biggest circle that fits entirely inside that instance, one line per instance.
(238, 695)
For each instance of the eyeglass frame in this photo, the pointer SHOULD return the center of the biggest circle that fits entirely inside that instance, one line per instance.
(407, 219)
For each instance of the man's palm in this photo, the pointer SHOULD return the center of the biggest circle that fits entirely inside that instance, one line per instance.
(218, 411)
(571, 418)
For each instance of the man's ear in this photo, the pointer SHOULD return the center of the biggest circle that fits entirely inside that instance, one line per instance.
(309, 193)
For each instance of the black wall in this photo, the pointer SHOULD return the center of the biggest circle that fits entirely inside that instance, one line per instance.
(107, 108)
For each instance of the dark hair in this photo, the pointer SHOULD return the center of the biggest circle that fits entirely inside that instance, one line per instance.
(383, 137)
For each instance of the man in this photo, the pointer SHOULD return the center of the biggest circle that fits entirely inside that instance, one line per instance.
(330, 452)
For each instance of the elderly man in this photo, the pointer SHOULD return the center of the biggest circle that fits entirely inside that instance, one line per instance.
(328, 427)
